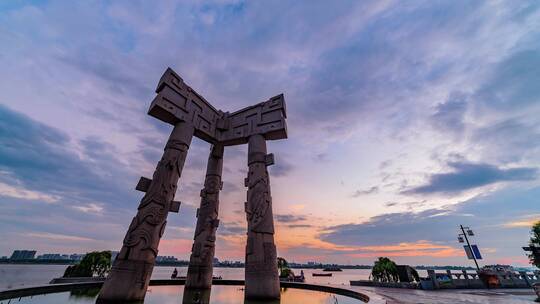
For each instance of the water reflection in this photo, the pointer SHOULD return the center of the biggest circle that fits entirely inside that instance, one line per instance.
(176, 294)
(78, 293)
(234, 293)
(196, 296)
(246, 301)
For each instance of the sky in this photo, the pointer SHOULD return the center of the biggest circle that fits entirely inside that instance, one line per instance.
(406, 119)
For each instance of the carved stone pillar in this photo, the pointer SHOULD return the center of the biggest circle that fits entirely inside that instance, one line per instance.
(262, 280)
(131, 271)
(200, 268)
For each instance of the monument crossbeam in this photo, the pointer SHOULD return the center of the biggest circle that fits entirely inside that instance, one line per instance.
(176, 101)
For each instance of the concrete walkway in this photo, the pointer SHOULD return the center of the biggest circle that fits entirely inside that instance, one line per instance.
(470, 296)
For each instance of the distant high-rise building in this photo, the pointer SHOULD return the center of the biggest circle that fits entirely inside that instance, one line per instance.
(76, 257)
(53, 256)
(161, 258)
(23, 254)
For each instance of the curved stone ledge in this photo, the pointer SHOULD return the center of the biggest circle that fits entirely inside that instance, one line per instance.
(53, 288)
(44, 289)
(76, 280)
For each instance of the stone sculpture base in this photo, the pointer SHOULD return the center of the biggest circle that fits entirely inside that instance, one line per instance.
(129, 283)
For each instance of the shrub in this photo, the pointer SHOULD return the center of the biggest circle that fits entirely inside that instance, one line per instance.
(94, 263)
(283, 267)
(534, 242)
(384, 270)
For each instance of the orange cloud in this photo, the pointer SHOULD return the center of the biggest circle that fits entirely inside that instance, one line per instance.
(308, 238)
(297, 207)
(514, 260)
(526, 221)
(180, 247)
(233, 246)
(305, 239)
(419, 248)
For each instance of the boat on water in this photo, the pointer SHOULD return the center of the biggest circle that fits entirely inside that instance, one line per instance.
(332, 268)
(321, 274)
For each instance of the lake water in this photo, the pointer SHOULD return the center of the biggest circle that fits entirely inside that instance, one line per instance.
(173, 294)
(17, 276)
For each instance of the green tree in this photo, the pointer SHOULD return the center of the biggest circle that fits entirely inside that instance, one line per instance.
(534, 242)
(384, 270)
(94, 263)
(283, 267)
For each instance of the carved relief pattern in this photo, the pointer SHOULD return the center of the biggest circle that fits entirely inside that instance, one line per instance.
(259, 202)
(207, 215)
(207, 222)
(261, 259)
(149, 223)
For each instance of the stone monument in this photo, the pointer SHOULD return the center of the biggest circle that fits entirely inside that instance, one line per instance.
(191, 115)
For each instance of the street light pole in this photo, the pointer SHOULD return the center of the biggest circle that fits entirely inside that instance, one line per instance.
(470, 248)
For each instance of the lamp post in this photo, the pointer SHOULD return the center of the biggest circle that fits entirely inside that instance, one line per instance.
(464, 235)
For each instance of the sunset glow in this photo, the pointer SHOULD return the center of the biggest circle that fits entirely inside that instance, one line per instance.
(405, 120)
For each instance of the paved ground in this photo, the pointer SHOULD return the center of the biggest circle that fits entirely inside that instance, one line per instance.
(471, 296)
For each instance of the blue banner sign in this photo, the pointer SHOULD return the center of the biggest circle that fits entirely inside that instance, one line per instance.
(474, 253)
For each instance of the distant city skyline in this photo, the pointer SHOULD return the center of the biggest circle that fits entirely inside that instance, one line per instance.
(406, 119)
(168, 259)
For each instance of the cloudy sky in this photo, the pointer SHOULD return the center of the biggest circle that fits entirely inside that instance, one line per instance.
(406, 119)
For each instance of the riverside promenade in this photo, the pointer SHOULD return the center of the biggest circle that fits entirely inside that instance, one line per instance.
(455, 296)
